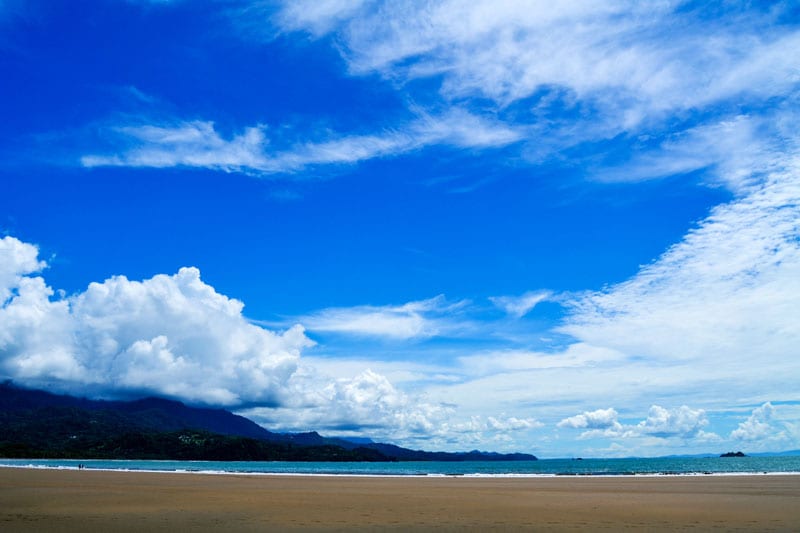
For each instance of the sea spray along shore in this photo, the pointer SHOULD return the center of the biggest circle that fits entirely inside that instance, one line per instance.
(564, 229)
(661, 466)
(86, 500)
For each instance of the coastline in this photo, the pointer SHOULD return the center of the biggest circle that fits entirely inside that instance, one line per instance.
(403, 476)
(545, 468)
(38, 499)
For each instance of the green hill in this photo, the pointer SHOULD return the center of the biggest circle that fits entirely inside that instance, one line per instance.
(39, 424)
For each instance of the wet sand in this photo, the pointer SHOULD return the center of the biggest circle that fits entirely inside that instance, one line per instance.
(62, 500)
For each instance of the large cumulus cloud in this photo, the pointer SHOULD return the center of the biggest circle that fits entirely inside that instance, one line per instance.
(170, 334)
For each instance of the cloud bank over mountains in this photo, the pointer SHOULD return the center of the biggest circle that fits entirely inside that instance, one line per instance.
(176, 336)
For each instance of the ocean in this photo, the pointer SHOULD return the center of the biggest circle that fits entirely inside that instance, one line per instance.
(543, 467)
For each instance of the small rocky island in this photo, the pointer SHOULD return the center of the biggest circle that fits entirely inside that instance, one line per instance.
(733, 454)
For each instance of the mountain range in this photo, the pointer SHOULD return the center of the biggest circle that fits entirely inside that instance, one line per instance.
(37, 423)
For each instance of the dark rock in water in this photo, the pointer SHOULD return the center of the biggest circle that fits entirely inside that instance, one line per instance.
(733, 454)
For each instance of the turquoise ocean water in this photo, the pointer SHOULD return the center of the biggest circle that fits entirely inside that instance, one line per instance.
(543, 467)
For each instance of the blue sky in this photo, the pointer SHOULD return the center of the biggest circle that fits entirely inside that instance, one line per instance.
(563, 228)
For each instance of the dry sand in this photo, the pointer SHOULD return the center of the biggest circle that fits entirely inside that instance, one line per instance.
(61, 500)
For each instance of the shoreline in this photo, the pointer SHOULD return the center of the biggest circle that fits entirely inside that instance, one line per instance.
(33, 499)
(404, 476)
(400, 476)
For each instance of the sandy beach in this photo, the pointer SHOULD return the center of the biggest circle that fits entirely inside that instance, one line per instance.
(64, 500)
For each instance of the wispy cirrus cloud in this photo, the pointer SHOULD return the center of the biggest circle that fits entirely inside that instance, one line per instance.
(735, 152)
(588, 72)
(715, 310)
(191, 144)
(573, 356)
(199, 144)
(317, 18)
(726, 290)
(519, 306)
(559, 80)
(649, 58)
(420, 319)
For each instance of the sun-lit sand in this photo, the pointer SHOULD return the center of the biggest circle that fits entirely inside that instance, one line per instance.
(61, 500)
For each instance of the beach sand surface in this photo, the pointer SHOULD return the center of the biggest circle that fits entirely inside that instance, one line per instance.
(81, 501)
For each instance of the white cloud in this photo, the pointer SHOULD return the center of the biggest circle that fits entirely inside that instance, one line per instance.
(420, 319)
(501, 51)
(478, 428)
(649, 58)
(736, 152)
(716, 311)
(520, 306)
(153, 1)
(599, 419)
(576, 355)
(588, 71)
(460, 128)
(34, 332)
(367, 402)
(759, 426)
(195, 338)
(400, 372)
(193, 144)
(661, 423)
(199, 144)
(316, 16)
(17, 259)
(682, 422)
(511, 423)
(727, 291)
(172, 335)
(35, 335)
